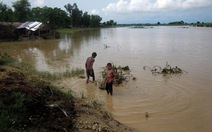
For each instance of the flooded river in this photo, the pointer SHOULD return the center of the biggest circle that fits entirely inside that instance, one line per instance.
(179, 103)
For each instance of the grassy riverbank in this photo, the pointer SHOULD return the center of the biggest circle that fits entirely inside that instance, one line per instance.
(29, 102)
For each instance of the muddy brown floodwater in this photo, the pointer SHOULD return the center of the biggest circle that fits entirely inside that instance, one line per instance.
(180, 103)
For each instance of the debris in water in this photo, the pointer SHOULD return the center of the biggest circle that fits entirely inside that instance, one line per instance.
(146, 115)
(166, 70)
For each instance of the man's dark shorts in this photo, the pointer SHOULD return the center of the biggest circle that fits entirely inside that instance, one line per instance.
(90, 72)
(109, 88)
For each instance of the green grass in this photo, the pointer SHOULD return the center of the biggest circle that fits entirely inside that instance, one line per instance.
(29, 70)
(69, 94)
(58, 76)
(10, 111)
(82, 95)
(5, 59)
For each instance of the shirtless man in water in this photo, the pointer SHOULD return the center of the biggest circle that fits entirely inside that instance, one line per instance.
(89, 66)
(109, 79)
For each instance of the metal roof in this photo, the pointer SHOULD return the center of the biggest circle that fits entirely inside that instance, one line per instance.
(33, 26)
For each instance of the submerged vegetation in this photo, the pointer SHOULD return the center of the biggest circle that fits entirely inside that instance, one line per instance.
(167, 70)
(29, 70)
(75, 72)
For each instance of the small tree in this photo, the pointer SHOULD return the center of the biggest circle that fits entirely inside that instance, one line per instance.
(75, 14)
(95, 20)
(22, 10)
(6, 13)
(85, 21)
(37, 14)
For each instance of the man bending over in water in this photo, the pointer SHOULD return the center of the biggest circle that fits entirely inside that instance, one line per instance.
(89, 66)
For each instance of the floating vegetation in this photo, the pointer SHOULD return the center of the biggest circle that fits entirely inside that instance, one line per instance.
(147, 115)
(126, 68)
(106, 46)
(122, 74)
(166, 70)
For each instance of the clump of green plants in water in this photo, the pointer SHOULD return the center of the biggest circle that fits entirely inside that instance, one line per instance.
(122, 74)
(165, 71)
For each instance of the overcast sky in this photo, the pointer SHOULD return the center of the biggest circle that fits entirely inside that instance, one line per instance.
(137, 11)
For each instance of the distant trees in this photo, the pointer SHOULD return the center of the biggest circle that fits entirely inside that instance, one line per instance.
(55, 17)
(80, 19)
(38, 14)
(177, 23)
(75, 14)
(72, 16)
(110, 23)
(95, 20)
(202, 24)
(6, 13)
(85, 21)
(21, 10)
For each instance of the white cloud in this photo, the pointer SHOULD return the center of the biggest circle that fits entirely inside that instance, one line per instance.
(39, 3)
(138, 5)
(166, 4)
(196, 3)
(119, 7)
(95, 12)
(123, 6)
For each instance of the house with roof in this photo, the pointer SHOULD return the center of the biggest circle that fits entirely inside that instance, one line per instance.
(27, 30)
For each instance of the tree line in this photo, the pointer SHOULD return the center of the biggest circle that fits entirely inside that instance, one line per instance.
(55, 17)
